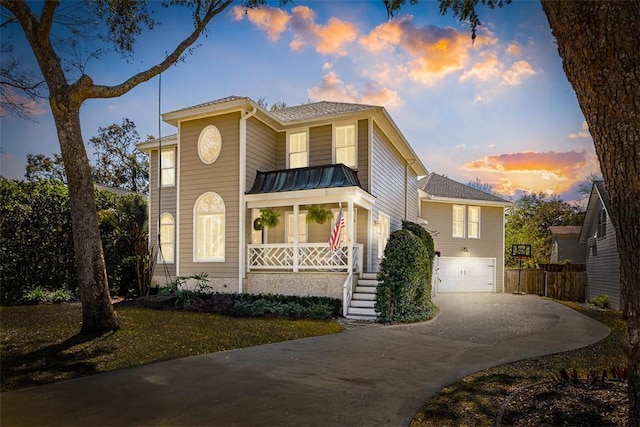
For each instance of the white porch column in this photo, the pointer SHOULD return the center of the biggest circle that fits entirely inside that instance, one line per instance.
(350, 239)
(296, 236)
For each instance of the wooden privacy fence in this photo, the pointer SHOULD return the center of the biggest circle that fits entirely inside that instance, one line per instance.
(562, 285)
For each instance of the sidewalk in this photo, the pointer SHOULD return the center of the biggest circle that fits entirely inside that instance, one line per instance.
(367, 376)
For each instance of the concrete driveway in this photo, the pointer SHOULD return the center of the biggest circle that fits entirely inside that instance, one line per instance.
(366, 376)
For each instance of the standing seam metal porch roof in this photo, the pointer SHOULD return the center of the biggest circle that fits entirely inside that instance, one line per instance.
(309, 178)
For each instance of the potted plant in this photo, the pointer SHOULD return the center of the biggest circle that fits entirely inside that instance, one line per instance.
(318, 214)
(268, 218)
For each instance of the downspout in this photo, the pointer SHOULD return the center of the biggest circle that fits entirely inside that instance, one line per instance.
(406, 189)
(242, 211)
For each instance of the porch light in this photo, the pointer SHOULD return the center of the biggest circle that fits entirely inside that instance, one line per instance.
(377, 226)
(465, 249)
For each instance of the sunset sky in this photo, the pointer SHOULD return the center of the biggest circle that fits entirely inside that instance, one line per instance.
(500, 109)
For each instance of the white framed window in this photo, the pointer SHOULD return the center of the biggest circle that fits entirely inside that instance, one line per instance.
(344, 143)
(458, 221)
(209, 144)
(297, 150)
(167, 239)
(209, 228)
(473, 222)
(168, 167)
(303, 228)
(345, 215)
(384, 231)
(602, 224)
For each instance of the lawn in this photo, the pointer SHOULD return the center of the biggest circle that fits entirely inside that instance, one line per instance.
(39, 345)
(476, 399)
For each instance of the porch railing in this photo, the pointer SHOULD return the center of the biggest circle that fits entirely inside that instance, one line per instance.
(303, 256)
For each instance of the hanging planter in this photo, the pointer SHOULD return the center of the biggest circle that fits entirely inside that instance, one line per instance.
(318, 214)
(268, 218)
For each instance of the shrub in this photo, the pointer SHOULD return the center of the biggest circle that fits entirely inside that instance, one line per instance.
(403, 293)
(36, 295)
(600, 301)
(59, 296)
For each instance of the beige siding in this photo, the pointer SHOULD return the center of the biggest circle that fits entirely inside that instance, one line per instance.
(281, 150)
(363, 153)
(261, 150)
(320, 145)
(489, 245)
(168, 204)
(387, 184)
(603, 266)
(197, 178)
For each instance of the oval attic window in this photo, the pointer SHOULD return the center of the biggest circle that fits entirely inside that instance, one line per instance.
(209, 144)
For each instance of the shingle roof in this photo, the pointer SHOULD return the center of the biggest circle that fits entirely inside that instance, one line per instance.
(209, 103)
(565, 229)
(440, 186)
(310, 178)
(318, 109)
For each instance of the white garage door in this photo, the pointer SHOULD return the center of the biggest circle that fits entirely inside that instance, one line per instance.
(458, 274)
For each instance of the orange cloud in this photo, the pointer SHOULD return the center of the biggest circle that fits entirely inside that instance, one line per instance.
(437, 52)
(29, 107)
(329, 39)
(488, 69)
(550, 172)
(514, 49)
(271, 20)
(334, 89)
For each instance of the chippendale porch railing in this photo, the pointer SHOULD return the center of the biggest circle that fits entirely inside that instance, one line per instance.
(304, 256)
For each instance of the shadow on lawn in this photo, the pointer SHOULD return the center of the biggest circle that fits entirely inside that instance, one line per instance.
(71, 358)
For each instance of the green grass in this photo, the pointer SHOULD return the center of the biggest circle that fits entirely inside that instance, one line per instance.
(476, 399)
(39, 344)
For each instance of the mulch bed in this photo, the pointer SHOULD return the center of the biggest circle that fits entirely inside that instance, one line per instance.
(568, 404)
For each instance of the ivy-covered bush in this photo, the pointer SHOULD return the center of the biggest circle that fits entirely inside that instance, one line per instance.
(427, 241)
(404, 293)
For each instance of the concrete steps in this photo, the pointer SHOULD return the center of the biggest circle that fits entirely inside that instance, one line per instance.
(364, 299)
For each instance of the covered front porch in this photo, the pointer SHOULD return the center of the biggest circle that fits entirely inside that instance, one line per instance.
(298, 242)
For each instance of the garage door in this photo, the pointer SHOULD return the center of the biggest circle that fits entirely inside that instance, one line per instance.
(459, 274)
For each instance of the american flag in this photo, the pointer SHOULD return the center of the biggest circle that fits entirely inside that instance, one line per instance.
(336, 235)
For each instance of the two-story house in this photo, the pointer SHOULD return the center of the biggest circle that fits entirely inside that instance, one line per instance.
(231, 159)
(467, 226)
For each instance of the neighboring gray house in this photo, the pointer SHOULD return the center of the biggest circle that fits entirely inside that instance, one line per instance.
(467, 226)
(603, 262)
(565, 245)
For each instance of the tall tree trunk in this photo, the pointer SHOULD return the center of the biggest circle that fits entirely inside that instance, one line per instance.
(98, 315)
(599, 43)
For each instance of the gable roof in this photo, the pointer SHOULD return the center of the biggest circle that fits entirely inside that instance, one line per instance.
(317, 113)
(598, 195)
(440, 188)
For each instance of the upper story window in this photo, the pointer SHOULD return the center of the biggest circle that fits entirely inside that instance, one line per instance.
(168, 167)
(458, 221)
(209, 232)
(297, 150)
(466, 221)
(302, 226)
(209, 144)
(167, 237)
(345, 145)
(473, 222)
(602, 224)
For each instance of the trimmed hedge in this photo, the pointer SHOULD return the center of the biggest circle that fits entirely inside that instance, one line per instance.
(404, 292)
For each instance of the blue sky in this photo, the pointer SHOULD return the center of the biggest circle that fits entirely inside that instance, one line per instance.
(499, 109)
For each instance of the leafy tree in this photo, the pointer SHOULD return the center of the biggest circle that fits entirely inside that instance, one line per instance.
(600, 51)
(117, 22)
(529, 220)
(584, 189)
(482, 186)
(40, 166)
(119, 164)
